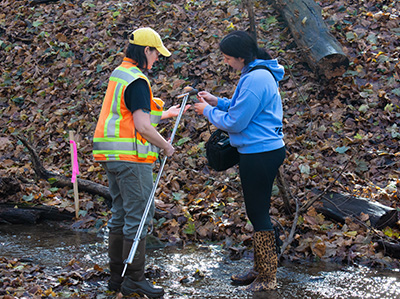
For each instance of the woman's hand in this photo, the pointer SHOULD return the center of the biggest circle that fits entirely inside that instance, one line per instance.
(208, 97)
(144, 127)
(199, 107)
(173, 111)
(169, 150)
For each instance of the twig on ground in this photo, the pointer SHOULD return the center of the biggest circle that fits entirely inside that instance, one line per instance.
(289, 240)
(308, 204)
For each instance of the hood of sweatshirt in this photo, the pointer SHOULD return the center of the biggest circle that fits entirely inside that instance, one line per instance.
(272, 64)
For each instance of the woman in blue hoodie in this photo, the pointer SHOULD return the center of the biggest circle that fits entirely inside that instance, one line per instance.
(253, 120)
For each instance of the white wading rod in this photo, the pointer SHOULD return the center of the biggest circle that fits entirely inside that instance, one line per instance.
(136, 240)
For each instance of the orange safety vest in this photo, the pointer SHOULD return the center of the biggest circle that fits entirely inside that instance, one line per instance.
(116, 138)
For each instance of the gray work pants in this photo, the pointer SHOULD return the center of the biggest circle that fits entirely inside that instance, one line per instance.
(130, 185)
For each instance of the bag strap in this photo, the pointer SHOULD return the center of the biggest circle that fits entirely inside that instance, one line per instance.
(263, 67)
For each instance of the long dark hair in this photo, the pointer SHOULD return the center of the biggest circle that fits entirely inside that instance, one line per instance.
(136, 53)
(240, 44)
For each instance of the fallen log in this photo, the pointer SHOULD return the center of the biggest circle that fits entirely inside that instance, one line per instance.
(62, 181)
(24, 214)
(8, 186)
(338, 207)
(390, 248)
(319, 47)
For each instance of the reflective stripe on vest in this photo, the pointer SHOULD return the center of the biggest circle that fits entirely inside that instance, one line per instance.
(115, 137)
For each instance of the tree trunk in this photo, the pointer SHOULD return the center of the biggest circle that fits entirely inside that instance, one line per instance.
(338, 206)
(320, 49)
(250, 9)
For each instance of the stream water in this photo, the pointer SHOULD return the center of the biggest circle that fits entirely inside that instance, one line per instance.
(198, 271)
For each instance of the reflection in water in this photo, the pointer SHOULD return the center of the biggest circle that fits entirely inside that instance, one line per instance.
(317, 280)
(333, 281)
(198, 271)
(48, 244)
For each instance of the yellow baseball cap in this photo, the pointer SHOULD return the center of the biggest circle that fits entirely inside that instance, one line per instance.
(147, 37)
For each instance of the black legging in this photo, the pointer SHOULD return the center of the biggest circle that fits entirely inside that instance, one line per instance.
(257, 174)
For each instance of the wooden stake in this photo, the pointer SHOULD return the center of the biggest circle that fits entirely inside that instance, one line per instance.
(75, 182)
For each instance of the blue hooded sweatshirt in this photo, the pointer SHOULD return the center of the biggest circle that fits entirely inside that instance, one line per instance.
(253, 117)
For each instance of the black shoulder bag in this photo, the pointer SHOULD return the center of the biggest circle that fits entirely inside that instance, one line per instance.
(221, 155)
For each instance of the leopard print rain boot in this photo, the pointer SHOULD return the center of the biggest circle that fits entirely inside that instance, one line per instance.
(266, 262)
(244, 279)
(248, 277)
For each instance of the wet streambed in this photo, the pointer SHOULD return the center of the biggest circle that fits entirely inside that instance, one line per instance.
(197, 271)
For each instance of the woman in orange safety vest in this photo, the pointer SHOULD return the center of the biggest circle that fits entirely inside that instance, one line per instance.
(126, 143)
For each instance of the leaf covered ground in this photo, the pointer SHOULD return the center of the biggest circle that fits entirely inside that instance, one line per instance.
(343, 133)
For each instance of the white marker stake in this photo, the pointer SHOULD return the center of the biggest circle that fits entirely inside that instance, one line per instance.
(75, 171)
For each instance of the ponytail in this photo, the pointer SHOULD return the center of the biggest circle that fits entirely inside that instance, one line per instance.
(263, 54)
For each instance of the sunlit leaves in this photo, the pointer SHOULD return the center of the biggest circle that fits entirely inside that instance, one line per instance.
(351, 36)
(305, 169)
(391, 233)
(28, 198)
(363, 108)
(389, 107)
(362, 166)
(37, 23)
(372, 39)
(394, 131)
(342, 149)
(190, 227)
(182, 141)
(396, 91)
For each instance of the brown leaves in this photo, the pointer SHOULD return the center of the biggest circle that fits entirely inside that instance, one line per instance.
(32, 281)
